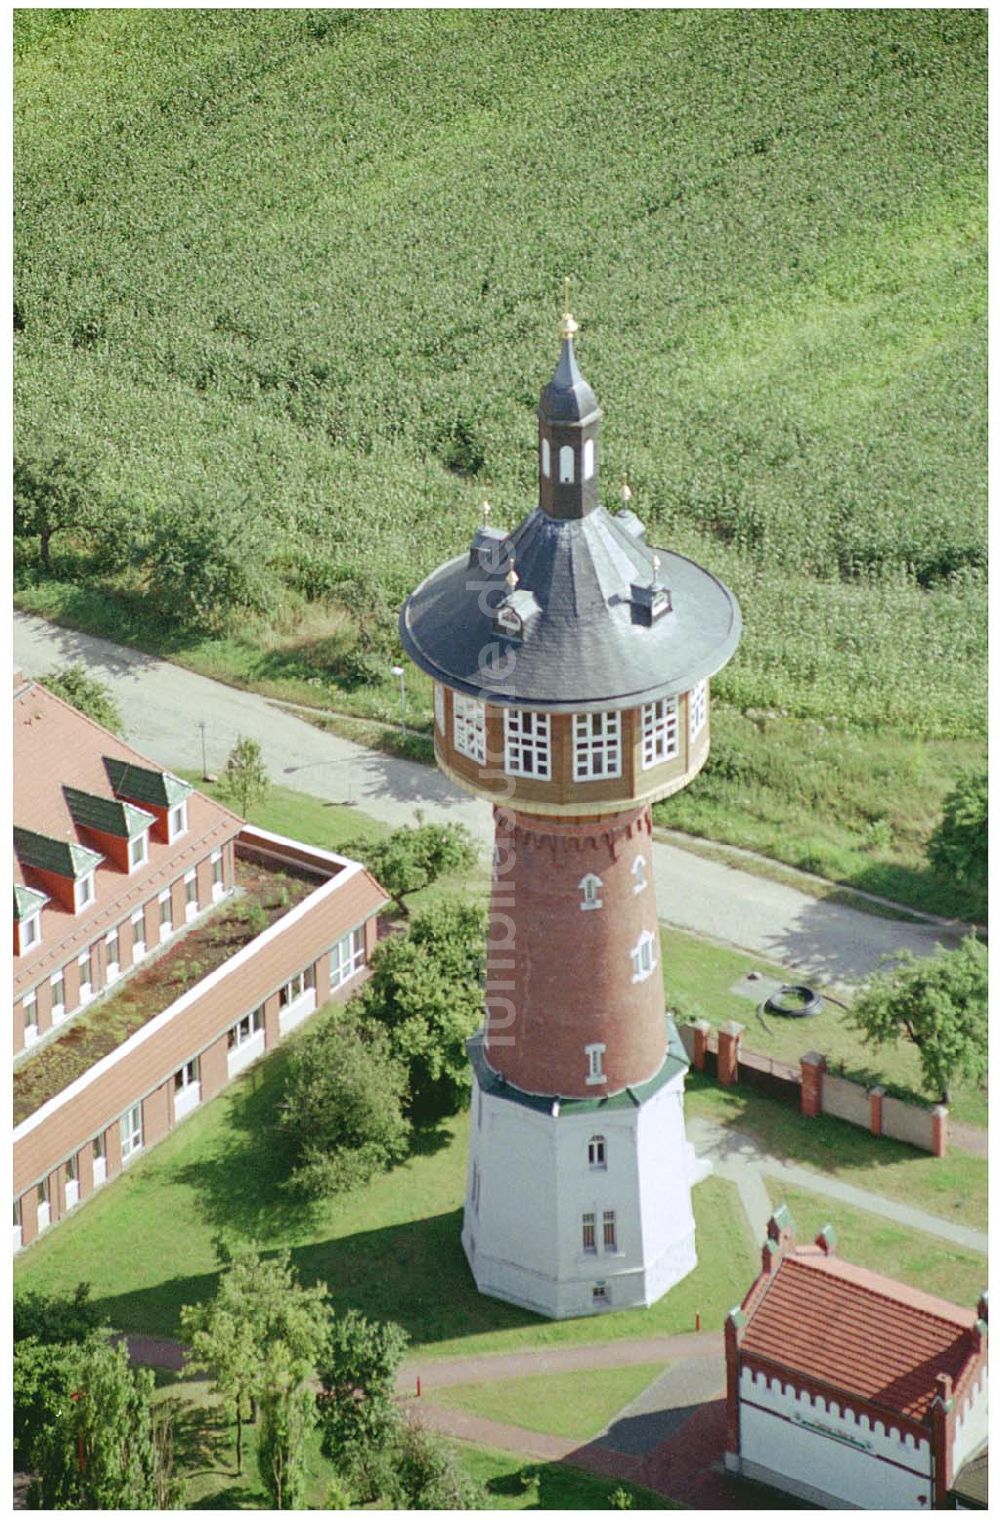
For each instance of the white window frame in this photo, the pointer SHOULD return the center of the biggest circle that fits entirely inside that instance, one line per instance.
(588, 1232)
(546, 459)
(347, 957)
(31, 931)
(609, 1232)
(142, 841)
(638, 871)
(167, 925)
(245, 1029)
(218, 874)
(590, 888)
(29, 1004)
(113, 969)
(588, 459)
(567, 465)
(595, 1062)
(71, 1182)
(85, 961)
(661, 736)
(138, 941)
(59, 1010)
(99, 1153)
(597, 745)
(191, 906)
(643, 957)
(597, 1154)
(130, 1131)
(187, 1087)
(83, 892)
(439, 707)
(697, 709)
(18, 1227)
(44, 1206)
(175, 830)
(527, 737)
(469, 727)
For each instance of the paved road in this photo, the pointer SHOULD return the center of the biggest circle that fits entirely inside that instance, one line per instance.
(162, 706)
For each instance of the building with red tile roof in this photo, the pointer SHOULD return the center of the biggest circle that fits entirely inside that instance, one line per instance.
(849, 1389)
(160, 946)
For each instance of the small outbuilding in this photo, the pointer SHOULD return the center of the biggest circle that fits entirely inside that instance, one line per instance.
(848, 1389)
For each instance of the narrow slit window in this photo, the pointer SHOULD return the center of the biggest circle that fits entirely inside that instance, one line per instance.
(567, 470)
(588, 460)
(546, 459)
(590, 891)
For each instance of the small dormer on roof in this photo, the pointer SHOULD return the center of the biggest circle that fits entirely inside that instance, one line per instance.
(145, 785)
(490, 550)
(651, 600)
(517, 610)
(27, 902)
(108, 816)
(64, 858)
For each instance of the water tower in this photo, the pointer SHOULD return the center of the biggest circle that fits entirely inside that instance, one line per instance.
(571, 663)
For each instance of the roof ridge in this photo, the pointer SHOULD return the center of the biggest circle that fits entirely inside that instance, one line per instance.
(859, 1277)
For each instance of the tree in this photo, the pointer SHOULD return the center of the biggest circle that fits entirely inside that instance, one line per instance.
(208, 562)
(245, 779)
(258, 1308)
(102, 1446)
(427, 1477)
(412, 858)
(426, 991)
(938, 1003)
(958, 846)
(357, 1407)
(56, 1318)
(51, 496)
(342, 1106)
(85, 693)
(287, 1412)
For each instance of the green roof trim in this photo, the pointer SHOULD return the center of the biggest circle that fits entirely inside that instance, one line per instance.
(64, 857)
(110, 815)
(27, 901)
(490, 1082)
(143, 784)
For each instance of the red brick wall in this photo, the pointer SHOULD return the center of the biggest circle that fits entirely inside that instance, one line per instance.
(272, 1029)
(155, 1116)
(85, 1163)
(214, 1068)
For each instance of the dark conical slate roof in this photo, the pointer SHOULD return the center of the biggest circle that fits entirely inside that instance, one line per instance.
(588, 648)
(567, 398)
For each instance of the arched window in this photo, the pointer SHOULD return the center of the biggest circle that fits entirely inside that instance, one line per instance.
(546, 458)
(590, 889)
(638, 870)
(566, 463)
(643, 957)
(595, 1062)
(588, 459)
(597, 1152)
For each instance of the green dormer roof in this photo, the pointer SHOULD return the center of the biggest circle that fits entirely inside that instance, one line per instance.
(145, 785)
(110, 815)
(27, 901)
(64, 857)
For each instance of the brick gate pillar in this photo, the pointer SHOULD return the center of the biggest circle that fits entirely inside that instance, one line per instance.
(813, 1066)
(729, 1051)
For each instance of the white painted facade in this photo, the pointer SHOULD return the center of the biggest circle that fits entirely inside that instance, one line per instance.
(827, 1454)
(298, 1010)
(531, 1183)
(972, 1422)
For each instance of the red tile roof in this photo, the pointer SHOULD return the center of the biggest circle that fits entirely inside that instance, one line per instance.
(860, 1332)
(55, 745)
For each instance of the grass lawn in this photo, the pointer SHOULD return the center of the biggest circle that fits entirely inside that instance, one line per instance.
(925, 1262)
(953, 1187)
(286, 811)
(549, 1487)
(564, 1405)
(145, 1243)
(698, 978)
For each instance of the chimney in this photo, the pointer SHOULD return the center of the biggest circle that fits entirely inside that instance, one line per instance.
(826, 1241)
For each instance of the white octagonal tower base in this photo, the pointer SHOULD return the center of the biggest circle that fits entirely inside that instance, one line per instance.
(533, 1176)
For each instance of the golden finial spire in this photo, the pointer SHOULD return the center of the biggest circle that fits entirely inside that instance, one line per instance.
(626, 489)
(656, 566)
(569, 322)
(486, 510)
(512, 577)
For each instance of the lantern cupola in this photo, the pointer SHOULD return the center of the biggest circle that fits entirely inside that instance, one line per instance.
(568, 421)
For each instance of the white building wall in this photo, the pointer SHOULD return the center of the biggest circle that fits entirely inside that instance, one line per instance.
(827, 1454)
(972, 1424)
(530, 1181)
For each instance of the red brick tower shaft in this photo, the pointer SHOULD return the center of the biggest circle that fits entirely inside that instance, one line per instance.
(574, 993)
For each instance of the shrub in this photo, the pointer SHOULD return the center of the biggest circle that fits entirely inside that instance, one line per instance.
(958, 848)
(87, 694)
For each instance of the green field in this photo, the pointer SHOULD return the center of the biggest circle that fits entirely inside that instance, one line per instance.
(307, 264)
(566, 1405)
(929, 1264)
